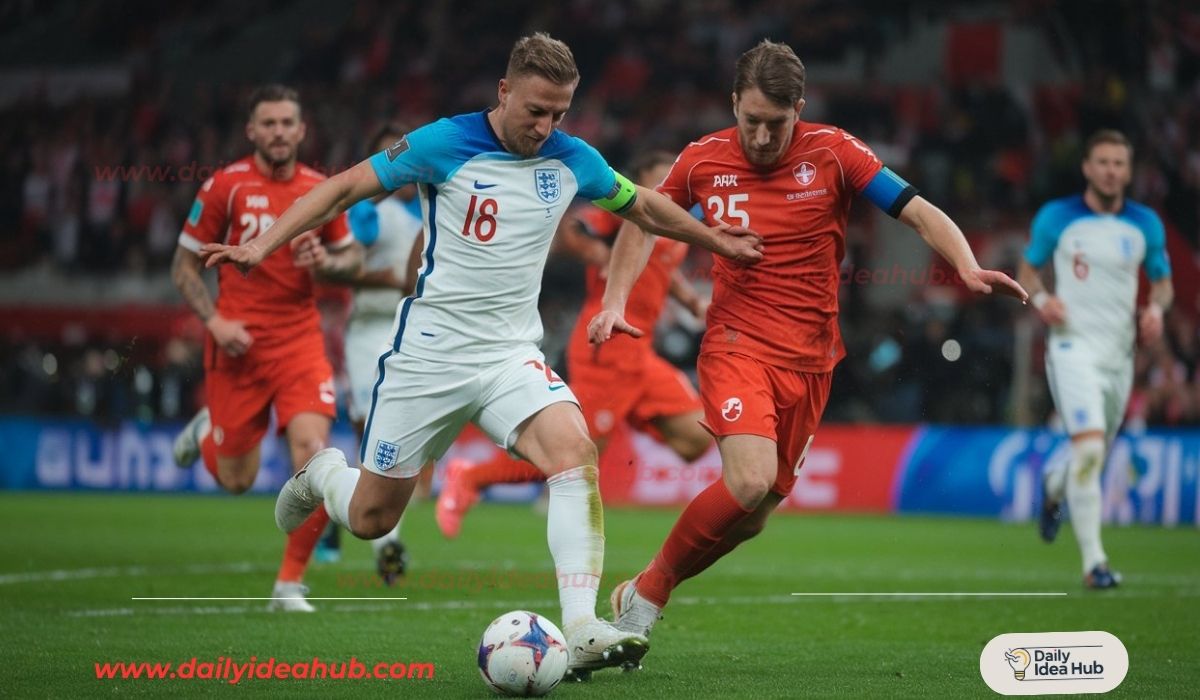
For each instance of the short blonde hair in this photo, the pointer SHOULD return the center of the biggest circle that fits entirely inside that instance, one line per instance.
(540, 55)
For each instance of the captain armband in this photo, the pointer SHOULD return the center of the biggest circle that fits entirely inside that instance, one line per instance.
(622, 196)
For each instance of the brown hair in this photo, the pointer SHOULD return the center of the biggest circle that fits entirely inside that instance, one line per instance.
(773, 68)
(1106, 136)
(646, 161)
(540, 55)
(273, 92)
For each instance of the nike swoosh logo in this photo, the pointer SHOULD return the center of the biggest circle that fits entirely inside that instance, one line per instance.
(556, 388)
(484, 187)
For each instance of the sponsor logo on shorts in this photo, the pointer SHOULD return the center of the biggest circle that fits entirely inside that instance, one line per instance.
(386, 454)
(731, 410)
(604, 420)
(326, 391)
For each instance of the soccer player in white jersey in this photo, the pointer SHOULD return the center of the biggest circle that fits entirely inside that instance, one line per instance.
(391, 236)
(493, 187)
(1096, 242)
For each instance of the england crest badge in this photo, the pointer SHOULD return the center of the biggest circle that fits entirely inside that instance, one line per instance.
(386, 454)
(548, 183)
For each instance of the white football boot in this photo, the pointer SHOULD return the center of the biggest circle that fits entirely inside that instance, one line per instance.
(299, 498)
(186, 449)
(288, 596)
(594, 644)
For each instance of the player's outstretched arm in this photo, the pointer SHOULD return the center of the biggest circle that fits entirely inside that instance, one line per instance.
(630, 253)
(944, 236)
(657, 214)
(315, 209)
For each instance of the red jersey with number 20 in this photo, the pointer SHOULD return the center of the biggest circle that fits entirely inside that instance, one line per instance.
(782, 311)
(276, 299)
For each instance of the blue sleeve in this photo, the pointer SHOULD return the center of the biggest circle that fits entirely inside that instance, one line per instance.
(427, 154)
(1157, 265)
(889, 192)
(596, 179)
(364, 222)
(1045, 230)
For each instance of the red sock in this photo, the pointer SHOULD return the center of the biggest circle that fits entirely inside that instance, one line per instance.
(300, 545)
(502, 469)
(701, 527)
(208, 453)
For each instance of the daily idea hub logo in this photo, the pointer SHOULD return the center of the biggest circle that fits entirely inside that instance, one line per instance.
(1053, 663)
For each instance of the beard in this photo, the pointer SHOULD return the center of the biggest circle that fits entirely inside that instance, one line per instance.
(277, 161)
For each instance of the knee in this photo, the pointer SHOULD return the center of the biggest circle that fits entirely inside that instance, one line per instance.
(373, 523)
(748, 487)
(693, 447)
(237, 484)
(1087, 460)
(578, 451)
(237, 481)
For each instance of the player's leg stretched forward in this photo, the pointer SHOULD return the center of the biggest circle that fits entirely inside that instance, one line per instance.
(466, 481)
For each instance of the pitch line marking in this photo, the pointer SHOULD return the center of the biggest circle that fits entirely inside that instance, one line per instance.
(204, 598)
(938, 594)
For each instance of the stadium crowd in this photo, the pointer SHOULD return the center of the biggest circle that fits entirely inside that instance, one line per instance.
(95, 182)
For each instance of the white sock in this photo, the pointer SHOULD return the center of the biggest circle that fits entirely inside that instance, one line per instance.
(1083, 498)
(336, 485)
(575, 533)
(393, 536)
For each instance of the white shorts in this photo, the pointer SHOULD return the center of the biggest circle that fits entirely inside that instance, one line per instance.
(1089, 395)
(367, 339)
(421, 406)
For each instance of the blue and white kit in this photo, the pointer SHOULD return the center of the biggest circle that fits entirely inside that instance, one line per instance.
(1089, 359)
(387, 230)
(464, 346)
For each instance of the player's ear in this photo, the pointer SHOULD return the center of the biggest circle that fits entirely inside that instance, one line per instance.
(734, 97)
(502, 92)
(250, 129)
(301, 130)
(799, 106)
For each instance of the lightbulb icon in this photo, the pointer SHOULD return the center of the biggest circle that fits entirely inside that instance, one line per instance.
(1019, 660)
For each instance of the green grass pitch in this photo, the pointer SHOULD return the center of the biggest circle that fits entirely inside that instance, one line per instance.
(70, 564)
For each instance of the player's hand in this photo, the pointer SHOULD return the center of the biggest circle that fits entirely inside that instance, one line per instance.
(1051, 309)
(993, 281)
(230, 335)
(246, 257)
(308, 252)
(739, 244)
(1150, 322)
(605, 323)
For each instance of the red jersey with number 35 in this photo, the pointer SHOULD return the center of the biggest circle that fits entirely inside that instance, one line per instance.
(782, 311)
(276, 299)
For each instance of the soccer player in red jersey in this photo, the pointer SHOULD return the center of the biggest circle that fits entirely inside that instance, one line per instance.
(264, 346)
(772, 339)
(621, 380)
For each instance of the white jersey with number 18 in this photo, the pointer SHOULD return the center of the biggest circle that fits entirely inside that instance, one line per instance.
(490, 216)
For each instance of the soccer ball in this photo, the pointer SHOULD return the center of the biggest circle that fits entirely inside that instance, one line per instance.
(522, 654)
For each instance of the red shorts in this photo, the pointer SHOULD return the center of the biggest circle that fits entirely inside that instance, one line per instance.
(743, 396)
(639, 393)
(241, 392)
